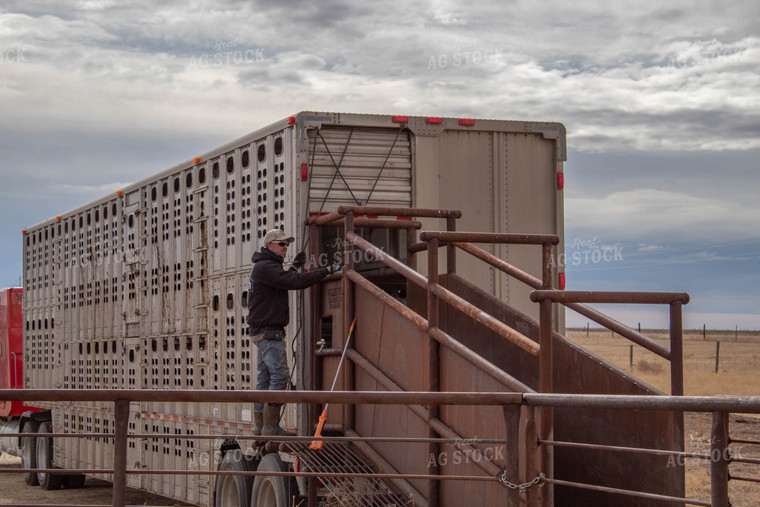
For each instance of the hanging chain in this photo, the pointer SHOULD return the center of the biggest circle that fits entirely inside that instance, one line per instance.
(539, 480)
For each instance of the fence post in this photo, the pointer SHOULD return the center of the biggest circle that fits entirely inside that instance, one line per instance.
(512, 449)
(676, 385)
(719, 460)
(531, 466)
(348, 314)
(433, 374)
(676, 349)
(121, 427)
(717, 355)
(411, 238)
(451, 250)
(546, 385)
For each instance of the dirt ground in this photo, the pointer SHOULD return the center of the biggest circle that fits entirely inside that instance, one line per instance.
(13, 490)
(738, 373)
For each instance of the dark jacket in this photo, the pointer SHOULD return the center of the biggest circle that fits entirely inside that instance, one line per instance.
(268, 290)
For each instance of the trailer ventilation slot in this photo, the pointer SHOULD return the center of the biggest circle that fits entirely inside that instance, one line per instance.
(339, 457)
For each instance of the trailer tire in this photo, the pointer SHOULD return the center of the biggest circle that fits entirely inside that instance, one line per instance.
(29, 451)
(47, 480)
(273, 490)
(234, 490)
(74, 481)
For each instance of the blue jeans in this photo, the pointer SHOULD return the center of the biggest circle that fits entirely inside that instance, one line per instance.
(272, 368)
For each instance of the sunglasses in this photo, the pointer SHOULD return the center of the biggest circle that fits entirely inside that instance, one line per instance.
(283, 243)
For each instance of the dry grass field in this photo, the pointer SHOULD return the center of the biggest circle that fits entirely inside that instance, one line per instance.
(738, 373)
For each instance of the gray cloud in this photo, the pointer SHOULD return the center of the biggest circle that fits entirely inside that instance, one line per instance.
(660, 101)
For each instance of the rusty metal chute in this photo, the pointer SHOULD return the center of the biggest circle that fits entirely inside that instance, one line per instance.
(446, 334)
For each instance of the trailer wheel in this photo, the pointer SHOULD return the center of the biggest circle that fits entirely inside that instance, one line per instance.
(74, 481)
(273, 490)
(234, 490)
(47, 480)
(29, 451)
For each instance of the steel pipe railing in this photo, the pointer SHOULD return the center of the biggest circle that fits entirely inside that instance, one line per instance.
(741, 404)
(586, 311)
(405, 212)
(449, 297)
(501, 265)
(674, 299)
(252, 396)
(121, 397)
(490, 237)
(650, 298)
(330, 218)
(380, 224)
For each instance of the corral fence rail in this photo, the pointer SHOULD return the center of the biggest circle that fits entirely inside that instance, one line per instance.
(719, 406)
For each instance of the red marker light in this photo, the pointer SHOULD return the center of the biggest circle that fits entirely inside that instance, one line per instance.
(561, 281)
(400, 119)
(291, 120)
(304, 172)
(433, 120)
(467, 122)
(197, 160)
(560, 181)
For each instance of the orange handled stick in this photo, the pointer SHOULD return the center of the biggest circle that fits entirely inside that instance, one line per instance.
(317, 444)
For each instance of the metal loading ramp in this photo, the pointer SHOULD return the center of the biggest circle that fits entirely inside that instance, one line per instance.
(442, 332)
(341, 458)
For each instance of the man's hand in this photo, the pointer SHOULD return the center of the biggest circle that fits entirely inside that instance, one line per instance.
(335, 268)
(299, 260)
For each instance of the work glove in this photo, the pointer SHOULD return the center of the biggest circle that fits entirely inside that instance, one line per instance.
(299, 260)
(334, 268)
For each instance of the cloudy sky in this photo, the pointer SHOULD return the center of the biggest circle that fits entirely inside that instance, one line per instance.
(661, 101)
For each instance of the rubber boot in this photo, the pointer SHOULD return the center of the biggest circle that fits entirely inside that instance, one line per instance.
(272, 422)
(258, 422)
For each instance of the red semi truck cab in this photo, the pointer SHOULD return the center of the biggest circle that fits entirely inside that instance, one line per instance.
(12, 350)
